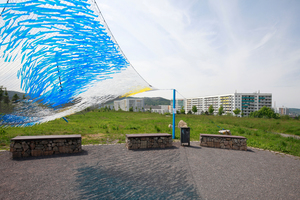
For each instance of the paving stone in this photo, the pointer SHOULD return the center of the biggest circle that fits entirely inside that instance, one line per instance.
(113, 172)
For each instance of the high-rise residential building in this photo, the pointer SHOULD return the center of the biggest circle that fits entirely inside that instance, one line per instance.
(179, 103)
(126, 104)
(246, 102)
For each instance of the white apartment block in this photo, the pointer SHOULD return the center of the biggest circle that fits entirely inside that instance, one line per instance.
(125, 104)
(246, 102)
(161, 109)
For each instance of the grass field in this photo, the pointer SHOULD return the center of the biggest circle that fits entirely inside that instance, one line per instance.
(111, 127)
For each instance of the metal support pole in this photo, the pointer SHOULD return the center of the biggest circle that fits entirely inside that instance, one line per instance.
(174, 112)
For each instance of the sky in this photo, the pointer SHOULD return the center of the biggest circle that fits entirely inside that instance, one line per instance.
(204, 48)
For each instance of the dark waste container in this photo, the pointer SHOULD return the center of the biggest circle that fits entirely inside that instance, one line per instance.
(185, 135)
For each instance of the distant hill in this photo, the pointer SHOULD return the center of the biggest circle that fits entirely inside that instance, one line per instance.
(155, 101)
(12, 93)
(294, 111)
(148, 101)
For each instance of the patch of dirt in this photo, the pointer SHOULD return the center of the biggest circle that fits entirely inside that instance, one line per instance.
(112, 142)
(94, 136)
(287, 135)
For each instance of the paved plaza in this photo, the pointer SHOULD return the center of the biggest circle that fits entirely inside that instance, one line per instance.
(113, 172)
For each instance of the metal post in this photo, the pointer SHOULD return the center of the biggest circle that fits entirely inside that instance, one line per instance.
(174, 112)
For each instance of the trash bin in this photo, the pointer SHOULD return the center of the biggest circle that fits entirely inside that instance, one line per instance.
(185, 135)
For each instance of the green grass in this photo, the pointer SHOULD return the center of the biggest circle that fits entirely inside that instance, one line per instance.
(110, 127)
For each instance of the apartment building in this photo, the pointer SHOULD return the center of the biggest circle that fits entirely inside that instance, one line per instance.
(179, 103)
(246, 102)
(161, 109)
(126, 104)
(283, 111)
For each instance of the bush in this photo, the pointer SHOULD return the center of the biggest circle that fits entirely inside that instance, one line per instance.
(2, 131)
(157, 128)
(264, 112)
(286, 117)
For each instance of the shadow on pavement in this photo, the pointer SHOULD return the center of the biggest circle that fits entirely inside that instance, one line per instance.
(152, 149)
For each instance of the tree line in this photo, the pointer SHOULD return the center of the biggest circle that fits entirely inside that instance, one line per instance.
(209, 112)
(264, 112)
(6, 104)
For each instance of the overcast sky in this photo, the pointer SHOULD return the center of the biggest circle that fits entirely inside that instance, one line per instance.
(204, 48)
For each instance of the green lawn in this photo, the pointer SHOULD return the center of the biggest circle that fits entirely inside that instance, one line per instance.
(110, 127)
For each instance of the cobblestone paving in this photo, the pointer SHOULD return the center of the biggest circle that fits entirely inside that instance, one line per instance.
(113, 172)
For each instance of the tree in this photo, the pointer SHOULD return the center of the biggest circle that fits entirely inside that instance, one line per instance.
(221, 110)
(131, 109)
(1, 93)
(211, 109)
(182, 111)
(15, 98)
(194, 109)
(264, 112)
(24, 96)
(236, 111)
(6, 98)
(242, 114)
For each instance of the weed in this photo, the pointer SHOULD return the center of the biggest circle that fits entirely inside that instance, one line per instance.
(157, 129)
(283, 143)
(241, 131)
(103, 126)
(2, 131)
(132, 127)
(256, 133)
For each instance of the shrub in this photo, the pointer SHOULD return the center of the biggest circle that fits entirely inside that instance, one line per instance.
(157, 128)
(2, 131)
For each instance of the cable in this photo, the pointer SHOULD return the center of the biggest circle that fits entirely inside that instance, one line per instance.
(181, 94)
(4, 8)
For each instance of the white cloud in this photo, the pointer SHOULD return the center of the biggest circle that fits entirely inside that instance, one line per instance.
(211, 47)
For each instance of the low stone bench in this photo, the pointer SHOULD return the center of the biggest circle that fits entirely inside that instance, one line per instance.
(223, 141)
(25, 146)
(147, 141)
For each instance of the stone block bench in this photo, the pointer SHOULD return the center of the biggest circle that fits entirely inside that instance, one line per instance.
(223, 141)
(25, 146)
(147, 141)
